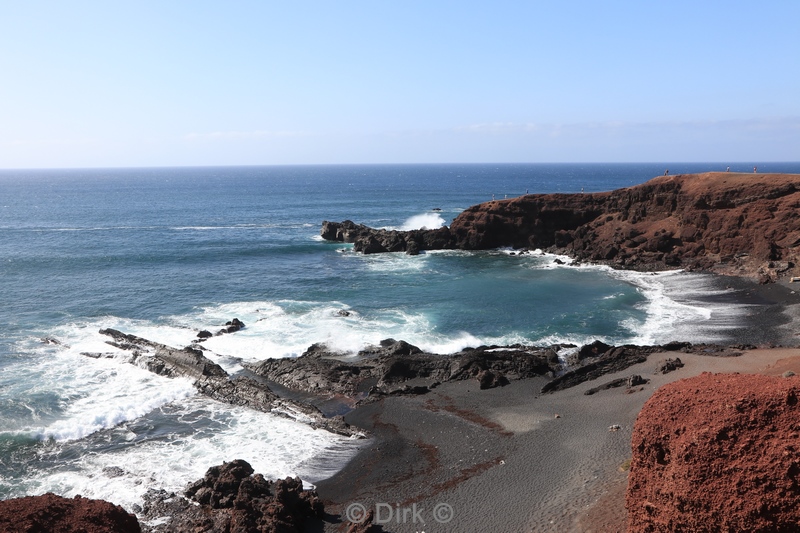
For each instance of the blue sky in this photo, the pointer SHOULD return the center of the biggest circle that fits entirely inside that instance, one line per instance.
(146, 83)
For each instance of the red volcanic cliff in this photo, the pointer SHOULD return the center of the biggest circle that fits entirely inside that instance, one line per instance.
(738, 224)
(717, 452)
(744, 224)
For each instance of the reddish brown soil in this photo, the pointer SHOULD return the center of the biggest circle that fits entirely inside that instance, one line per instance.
(717, 452)
(55, 514)
(741, 224)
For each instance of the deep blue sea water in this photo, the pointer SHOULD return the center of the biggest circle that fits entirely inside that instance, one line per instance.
(162, 253)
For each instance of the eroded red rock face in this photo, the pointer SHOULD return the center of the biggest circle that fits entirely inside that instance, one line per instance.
(743, 224)
(717, 452)
(55, 514)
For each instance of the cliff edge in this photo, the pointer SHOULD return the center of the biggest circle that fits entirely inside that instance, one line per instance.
(730, 223)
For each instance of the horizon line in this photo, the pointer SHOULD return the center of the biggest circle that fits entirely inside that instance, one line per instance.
(274, 165)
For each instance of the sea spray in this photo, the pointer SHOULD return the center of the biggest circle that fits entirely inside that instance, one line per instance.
(423, 221)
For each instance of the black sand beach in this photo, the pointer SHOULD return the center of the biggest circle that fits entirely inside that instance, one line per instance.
(511, 459)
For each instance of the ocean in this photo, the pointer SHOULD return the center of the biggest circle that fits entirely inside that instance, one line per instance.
(165, 252)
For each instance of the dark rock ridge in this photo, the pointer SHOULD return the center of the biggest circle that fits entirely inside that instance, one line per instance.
(233, 499)
(598, 359)
(51, 513)
(370, 241)
(214, 382)
(396, 367)
(731, 223)
(717, 452)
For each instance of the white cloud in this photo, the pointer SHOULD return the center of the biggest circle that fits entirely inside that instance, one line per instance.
(617, 126)
(241, 135)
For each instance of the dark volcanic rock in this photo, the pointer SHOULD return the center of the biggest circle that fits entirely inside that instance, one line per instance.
(631, 381)
(396, 367)
(212, 381)
(664, 367)
(51, 513)
(233, 499)
(390, 347)
(231, 326)
(613, 360)
(370, 241)
(593, 349)
(165, 360)
(717, 452)
(488, 379)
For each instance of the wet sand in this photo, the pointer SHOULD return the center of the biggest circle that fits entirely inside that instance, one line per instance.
(513, 460)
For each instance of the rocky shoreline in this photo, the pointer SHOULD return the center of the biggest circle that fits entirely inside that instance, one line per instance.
(297, 387)
(232, 499)
(394, 394)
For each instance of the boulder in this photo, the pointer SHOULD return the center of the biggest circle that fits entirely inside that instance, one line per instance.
(231, 326)
(231, 498)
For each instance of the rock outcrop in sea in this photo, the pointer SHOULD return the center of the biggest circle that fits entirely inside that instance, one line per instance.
(717, 452)
(731, 223)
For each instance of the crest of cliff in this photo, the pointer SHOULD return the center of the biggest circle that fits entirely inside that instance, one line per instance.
(744, 224)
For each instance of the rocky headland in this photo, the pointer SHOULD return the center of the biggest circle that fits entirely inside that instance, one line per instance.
(731, 223)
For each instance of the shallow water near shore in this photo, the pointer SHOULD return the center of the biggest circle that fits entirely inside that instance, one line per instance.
(164, 253)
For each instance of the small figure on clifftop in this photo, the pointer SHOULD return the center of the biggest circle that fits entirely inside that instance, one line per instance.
(755, 169)
(728, 169)
(666, 172)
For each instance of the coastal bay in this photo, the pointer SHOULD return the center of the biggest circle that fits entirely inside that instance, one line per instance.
(100, 426)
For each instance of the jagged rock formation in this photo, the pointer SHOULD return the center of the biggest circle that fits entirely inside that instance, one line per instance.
(214, 382)
(396, 367)
(717, 452)
(370, 241)
(49, 512)
(231, 498)
(165, 360)
(732, 223)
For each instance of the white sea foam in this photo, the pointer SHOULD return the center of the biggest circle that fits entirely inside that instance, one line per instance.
(287, 328)
(95, 393)
(274, 447)
(109, 404)
(397, 263)
(423, 221)
(101, 401)
(675, 308)
(675, 305)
